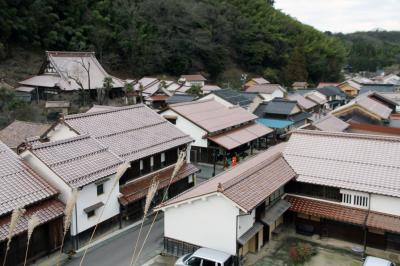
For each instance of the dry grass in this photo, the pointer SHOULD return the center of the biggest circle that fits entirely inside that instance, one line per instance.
(16, 215)
(32, 224)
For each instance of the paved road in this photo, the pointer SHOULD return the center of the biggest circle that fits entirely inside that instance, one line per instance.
(118, 251)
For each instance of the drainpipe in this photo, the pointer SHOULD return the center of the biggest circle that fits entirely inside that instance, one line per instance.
(236, 243)
(365, 226)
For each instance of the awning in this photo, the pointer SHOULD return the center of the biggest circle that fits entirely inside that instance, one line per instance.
(276, 211)
(250, 233)
(93, 207)
(236, 137)
(275, 123)
(24, 89)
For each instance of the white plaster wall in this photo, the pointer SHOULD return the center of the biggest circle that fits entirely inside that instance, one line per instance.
(87, 196)
(385, 204)
(60, 132)
(217, 99)
(42, 170)
(245, 222)
(209, 222)
(189, 128)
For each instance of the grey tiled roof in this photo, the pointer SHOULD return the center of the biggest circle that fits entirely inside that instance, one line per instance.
(302, 101)
(331, 123)
(19, 185)
(379, 88)
(276, 106)
(79, 160)
(182, 98)
(16, 133)
(352, 161)
(131, 132)
(331, 91)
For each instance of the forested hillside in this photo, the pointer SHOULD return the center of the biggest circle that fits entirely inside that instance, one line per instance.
(372, 50)
(148, 37)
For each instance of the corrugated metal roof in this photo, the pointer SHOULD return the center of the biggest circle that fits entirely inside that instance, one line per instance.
(79, 160)
(151, 132)
(19, 184)
(358, 162)
(211, 115)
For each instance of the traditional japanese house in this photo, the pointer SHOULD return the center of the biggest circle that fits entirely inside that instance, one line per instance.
(219, 132)
(21, 187)
(141, 137)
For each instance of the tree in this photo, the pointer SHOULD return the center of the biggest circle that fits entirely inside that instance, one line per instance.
(103, 92)
(129, 93)
(296, 69)
(195, 90)
(80, 72)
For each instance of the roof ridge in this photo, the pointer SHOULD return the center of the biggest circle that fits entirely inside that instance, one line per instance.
(346, 135)
(132, 129)
(62, 141)
(103, 149)
(117, 109)
(245, 174)
(193, 102)
(154, 145)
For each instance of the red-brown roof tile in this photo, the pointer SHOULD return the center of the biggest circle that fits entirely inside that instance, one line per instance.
(46, 211)
(137, 189)
(19, 184)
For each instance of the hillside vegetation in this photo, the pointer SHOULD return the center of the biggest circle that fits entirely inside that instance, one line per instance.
(372, 50)
(149, 37)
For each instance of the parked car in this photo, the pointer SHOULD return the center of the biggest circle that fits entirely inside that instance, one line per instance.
(374, 261)
(205, 257)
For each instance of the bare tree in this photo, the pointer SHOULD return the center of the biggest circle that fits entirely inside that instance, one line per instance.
(77, 75)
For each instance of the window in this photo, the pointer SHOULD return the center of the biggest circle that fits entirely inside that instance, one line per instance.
(91, 213)
(193, 261)
(208, 263)
(357, 200)
(100, 189)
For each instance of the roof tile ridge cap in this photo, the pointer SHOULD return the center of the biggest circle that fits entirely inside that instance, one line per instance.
(59, 142)
(117, 109)
(131, 129)
(154, 145)
(193, 102)
(75, 181)
(238, 179)
(347, 135)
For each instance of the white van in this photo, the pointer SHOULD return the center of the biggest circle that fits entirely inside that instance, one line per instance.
(374, 261)
(205, 257)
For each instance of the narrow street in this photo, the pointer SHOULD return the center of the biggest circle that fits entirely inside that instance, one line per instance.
(118, 251)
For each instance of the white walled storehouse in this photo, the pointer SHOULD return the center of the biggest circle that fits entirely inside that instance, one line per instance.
(217, 130)
(234, 212)
(140, 136)
(80, 163)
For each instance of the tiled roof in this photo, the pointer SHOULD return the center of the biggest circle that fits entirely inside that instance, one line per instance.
(302, 101)
(196, 77)
(211, 115)
(265, 88)
(331, 123)
(379, 88)
(316, 97)
(327, 210)
(366, 103)
(260, 80)
(358, 162)
(234, 97)
(180, 99)
(239, 136)
(19, 185)
(207, 88)
(117, 128)
(79, 160)
(98, 108)
(46, 211)
(276, 106)
(327, 84)
(16, 133)
(331, 91)
(137, 189)
(248, 183)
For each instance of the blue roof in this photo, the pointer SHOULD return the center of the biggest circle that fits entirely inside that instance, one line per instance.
(274, 123)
